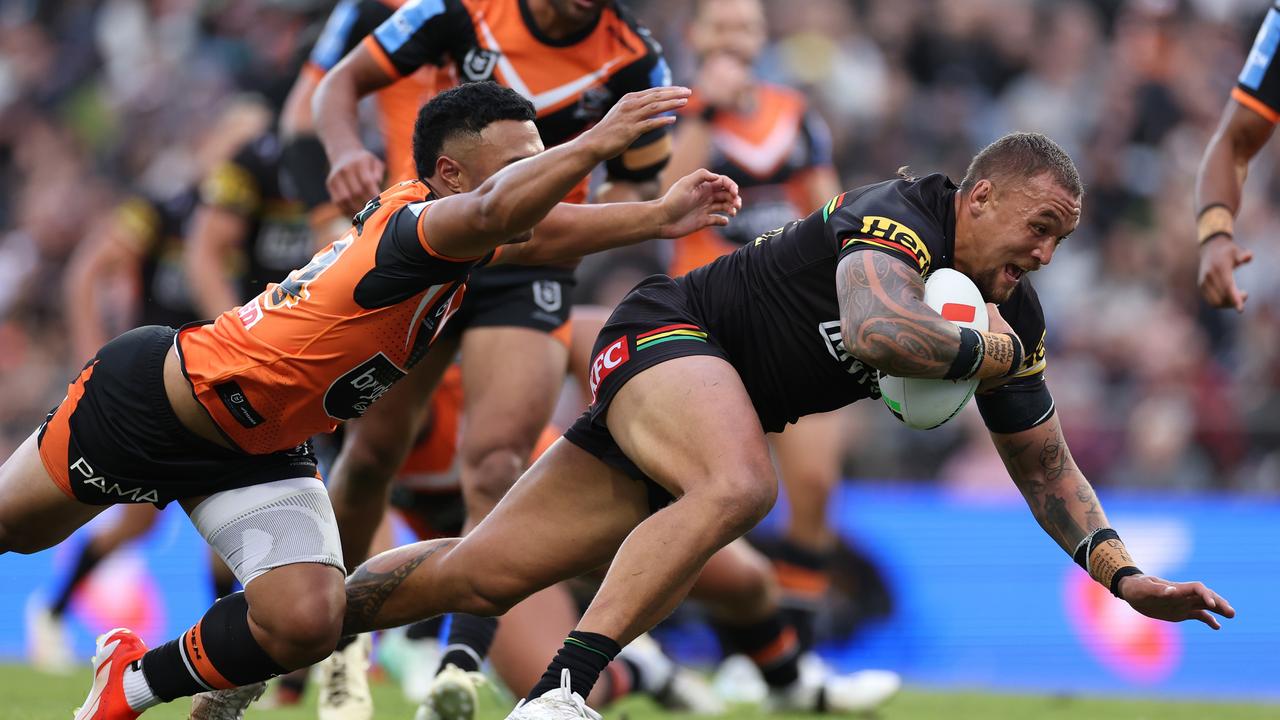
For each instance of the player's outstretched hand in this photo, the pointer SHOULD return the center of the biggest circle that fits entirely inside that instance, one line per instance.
(355, 177)
(697, 200)
(632, 116)
(1174, 601)
(1219, 258)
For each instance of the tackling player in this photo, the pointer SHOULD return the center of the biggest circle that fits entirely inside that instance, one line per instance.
(217, 416)
(572, 59)
(670, 463)
(1247, 122)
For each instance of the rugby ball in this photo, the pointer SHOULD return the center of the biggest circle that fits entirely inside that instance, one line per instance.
(925, 404)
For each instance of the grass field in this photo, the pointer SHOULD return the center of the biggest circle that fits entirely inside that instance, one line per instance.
(27, 695)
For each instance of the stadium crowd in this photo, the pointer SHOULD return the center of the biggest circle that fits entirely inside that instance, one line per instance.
(100, 97)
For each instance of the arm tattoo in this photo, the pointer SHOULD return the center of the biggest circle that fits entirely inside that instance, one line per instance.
(376, 580)
(1058, 494)
(885, 321)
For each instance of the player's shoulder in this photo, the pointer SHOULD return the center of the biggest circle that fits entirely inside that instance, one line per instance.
(920, 205)
(627, 28)
(906, 216)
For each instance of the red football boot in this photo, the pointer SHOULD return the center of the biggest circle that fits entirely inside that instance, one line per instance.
(116, 650)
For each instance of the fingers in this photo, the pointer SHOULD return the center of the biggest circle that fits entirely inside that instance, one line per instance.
(1215, 602)
(1207, 618)
(1242, 257)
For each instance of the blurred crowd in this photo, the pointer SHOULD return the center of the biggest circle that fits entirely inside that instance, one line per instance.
(100, 97)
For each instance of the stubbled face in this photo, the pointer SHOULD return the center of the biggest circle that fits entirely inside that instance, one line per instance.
(732, 27)
(578, 12)
(466, 160)
(1016, 227)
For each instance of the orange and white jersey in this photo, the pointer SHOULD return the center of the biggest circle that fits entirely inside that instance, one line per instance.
(323, 345)
(768, 152)
(572, 82)
(398, 103)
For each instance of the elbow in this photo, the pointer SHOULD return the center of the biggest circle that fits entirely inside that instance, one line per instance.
(495, 214)
(860, 346)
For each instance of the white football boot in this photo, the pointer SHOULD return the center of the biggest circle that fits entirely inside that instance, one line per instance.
(857, 692)
(452, 695)
(674, 687)
(344, 683)
(561, 703)
(48, 648)
(411, 661)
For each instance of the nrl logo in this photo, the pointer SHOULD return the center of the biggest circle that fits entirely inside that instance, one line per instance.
(479, 63)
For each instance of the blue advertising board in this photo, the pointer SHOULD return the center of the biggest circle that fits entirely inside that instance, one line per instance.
(982, 597)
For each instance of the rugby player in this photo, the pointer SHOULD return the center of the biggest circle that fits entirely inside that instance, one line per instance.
(248, 226)
(572, 59)
(1246, 124)
(217, 416)
(778, 150)
(670, 463)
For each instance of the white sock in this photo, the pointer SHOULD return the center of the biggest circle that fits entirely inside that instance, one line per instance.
(137, 693)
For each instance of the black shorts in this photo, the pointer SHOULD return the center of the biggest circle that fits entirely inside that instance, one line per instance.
(537, 298)
(430, 515)
(115, 438)
(654, 323)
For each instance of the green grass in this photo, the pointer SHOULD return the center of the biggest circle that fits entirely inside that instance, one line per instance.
(28, 695)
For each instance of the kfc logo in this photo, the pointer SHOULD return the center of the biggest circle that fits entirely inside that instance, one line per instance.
(608, 360)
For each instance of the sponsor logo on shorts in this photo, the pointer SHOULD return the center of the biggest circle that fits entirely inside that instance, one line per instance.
(889, 234)
(833, 341)
(609, 359)
(351, 395)
(668, 333)
(548, 295)
(111, 487)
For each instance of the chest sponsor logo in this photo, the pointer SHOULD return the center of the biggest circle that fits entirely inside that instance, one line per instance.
(479, 63)
(548, 295)
(833, 341)
(111, 488)
(887, 233)
(609, 359)
(351, 395)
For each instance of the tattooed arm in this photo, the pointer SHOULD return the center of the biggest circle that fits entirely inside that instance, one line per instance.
(1064, 504)
(885, 321)
(1057, 492)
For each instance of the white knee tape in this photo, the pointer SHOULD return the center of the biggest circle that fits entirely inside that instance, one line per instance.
(260, 527)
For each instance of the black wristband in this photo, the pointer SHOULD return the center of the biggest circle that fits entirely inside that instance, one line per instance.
(1123, 572)
(1018, 354)
(968, 358)
(1086, 546)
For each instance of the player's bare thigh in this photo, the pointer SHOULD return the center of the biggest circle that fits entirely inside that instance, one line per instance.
(511, 377)
(688, 423)
(34, 512)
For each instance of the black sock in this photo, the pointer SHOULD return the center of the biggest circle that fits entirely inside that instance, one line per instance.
(803, 575)
(216, 653)
(425, 628)
(467, 640)
(584, 655)
(85, 563)
(770, 643)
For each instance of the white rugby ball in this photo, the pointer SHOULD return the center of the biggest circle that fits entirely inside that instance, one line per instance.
(925, 404)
